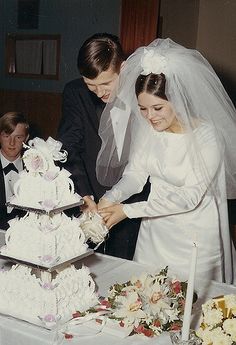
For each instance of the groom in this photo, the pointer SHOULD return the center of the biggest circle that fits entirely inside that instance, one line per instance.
(99, 61)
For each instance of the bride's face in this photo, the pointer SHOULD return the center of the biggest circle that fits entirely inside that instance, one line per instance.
(158, 112)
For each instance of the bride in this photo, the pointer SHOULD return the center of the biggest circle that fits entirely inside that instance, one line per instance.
(171, 121)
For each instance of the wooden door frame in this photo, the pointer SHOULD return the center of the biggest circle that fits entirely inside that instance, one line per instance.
(139, 23)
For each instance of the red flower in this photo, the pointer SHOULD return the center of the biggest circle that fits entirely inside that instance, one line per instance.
(68, 336)
(176, 287)
(148, 332)
(175, 327)
(121, 324)
(106, 303)
(76, 314)
(156, 323)
(139, 329)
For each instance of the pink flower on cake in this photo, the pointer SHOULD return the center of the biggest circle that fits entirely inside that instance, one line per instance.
(34, 161)
(49, 318)
(48, 204)
(49, 286)
(47, 259)
(50, 175)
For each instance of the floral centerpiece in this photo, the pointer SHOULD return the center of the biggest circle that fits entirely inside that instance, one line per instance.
(218, 322)
(148, 305)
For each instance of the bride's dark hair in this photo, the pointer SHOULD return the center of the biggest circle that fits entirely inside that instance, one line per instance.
(153, 84)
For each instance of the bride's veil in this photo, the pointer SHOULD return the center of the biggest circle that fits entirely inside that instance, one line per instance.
(197, 96)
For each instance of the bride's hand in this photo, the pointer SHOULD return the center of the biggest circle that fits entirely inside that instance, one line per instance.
(89, 204)
(112, 215)
(104, 203)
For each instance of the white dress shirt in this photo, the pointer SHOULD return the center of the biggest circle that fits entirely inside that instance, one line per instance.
(11, 177)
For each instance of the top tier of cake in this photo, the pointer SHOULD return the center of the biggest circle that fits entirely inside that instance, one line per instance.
(43, 185)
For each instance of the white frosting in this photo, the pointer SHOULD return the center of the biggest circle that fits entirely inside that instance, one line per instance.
(45, 301)
(45, 240)
(42, 239)
(39, 191)
(43, 185)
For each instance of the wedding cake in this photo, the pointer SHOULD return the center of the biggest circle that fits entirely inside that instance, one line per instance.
(44, 288)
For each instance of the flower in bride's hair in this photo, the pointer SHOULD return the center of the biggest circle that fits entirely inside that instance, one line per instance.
(152, 62)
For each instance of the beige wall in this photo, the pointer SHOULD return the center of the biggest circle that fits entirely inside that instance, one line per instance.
(216, 39)
(180, 20)
(210, 27)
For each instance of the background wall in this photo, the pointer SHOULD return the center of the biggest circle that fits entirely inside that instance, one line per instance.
(74, 20)
(179, 21)
(216, 39)
(210, 27)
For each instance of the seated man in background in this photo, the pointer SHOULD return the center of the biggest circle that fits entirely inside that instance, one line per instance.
(14, 131)
(99, 62)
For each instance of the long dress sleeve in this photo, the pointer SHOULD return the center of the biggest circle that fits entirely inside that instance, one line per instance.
(133, 180)
(169, 199)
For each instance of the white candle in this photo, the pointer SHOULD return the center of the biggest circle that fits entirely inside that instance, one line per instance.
(189, 295)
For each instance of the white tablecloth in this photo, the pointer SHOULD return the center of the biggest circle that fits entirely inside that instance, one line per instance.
(106, 271)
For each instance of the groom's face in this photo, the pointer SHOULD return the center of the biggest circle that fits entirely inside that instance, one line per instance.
(103, 85)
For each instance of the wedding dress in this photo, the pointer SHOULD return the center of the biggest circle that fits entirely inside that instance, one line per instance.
(180, 209)
(192, 174)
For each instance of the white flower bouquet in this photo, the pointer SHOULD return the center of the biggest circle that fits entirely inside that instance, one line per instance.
(92, 225)
(147, 305)
(218, 322)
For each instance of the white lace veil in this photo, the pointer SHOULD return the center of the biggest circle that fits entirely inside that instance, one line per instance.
(196, 94)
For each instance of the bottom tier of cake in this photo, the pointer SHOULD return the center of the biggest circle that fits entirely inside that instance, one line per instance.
(43, 298)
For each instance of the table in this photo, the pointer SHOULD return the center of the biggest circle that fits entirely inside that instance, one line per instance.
(106, 270)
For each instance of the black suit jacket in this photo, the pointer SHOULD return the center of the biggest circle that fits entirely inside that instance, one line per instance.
(4, 216)
(78, 131)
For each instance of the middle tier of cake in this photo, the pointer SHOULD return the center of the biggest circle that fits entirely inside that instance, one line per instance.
(44, 240)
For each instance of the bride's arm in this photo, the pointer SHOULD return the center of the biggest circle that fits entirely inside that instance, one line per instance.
(133, 180)
(168, 199)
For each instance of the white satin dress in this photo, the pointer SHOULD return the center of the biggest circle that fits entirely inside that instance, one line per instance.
(180, 209)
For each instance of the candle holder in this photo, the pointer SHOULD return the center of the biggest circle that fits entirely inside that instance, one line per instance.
(176, 338)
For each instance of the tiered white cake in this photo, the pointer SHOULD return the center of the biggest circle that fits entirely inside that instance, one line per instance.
(46, 239)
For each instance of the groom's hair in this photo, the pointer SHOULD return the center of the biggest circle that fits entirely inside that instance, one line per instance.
(98, 53)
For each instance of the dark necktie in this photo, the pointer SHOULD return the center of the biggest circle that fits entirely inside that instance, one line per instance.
(9, 168)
